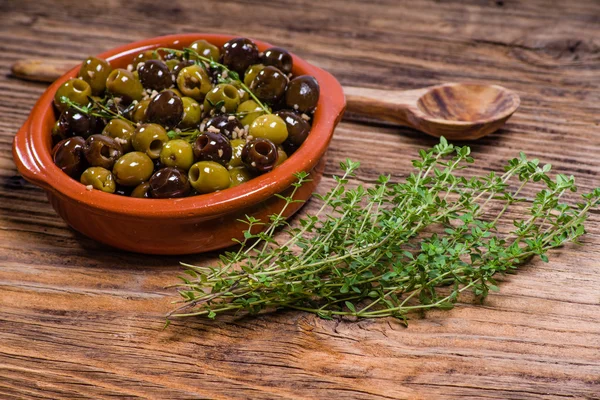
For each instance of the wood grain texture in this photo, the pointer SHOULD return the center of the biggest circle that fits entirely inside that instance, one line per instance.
(80, 320)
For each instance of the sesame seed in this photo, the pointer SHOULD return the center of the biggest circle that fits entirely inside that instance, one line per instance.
(223, 109)
(130, 67)
(231, 118)
(296, 106)
(213, 129)
(305, 117)
(89, 187)
(220, 152)
(91, 74)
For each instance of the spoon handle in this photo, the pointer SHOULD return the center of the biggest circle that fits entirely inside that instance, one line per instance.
(396, 106)
(46, 70)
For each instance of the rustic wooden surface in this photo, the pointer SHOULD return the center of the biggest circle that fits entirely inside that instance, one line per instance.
(78, 319)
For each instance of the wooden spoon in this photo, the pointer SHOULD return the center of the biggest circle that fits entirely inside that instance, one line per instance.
(458, 111)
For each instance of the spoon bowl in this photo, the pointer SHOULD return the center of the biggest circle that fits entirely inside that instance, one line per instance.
(457, 111)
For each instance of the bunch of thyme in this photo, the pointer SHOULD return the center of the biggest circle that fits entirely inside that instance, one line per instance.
(393, 248)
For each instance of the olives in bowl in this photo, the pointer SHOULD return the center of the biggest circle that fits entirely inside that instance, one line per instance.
(150, 126)
(132, 218)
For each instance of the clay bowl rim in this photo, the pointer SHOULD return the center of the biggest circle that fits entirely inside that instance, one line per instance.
(32, 154)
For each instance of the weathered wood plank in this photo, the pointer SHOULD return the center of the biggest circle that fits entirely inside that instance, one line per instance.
(78, 319)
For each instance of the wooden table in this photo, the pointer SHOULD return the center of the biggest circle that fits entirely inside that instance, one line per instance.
(79, 319)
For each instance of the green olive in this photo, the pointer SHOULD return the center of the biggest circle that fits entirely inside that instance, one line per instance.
(244, 96)
(194, 82)
(176, 91)
(224, 96)
(149, 139)
(269, 126)
(239, 175)
(77, 90)
(177, 153)
(172, 63)
(205, 49)
(251, 73)
(99, 178)
(121, 82)
(145, 56)
(248, 111)
(139, 111)
(237, 145)
(281, 156)
(121, 131)
(208, 176)
(141, 191)
(95, 71)
(133, 168)
(192, 113)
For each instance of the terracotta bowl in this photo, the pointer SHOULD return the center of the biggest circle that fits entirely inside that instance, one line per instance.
(173, 226)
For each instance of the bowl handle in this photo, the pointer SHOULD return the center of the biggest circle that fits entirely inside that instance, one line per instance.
(26, 160)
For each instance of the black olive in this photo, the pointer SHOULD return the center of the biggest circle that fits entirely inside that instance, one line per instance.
(166, 109)
(260, 155)
(155, 75)
(212, 146)
(169, 182)
(68, 156)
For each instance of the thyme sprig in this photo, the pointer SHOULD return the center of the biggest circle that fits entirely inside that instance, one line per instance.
(95, 108)
(230, 75)
(393, 248)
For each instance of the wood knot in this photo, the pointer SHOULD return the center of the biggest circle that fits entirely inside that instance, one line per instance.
(559, 52)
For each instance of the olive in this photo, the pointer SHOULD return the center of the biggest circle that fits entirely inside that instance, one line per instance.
(227, 125)
(281, 156)
(239, 53)
(244, 96)
(75, 123)
(141, 191)
(298, 129)
(205, 49)
(133, 168)
(208, 176)
(279, 58)
(194, 82)
(122, 83)
(77, 90)
(223, 98)
(260, 155)
(176, 91)
(171, 64)
(59, 132)
(212, 146)
(168, 183)
(122, 190)
(102, 151)
(166, 108)
(237, 145)
(248, 111)
(192, 113)
(68, 156)
(99, 178)
(269, 85)
(138, 114)
(239, 175)
(149, 139)
(302, 94)
(121, 131)
(177, 153)
(143, 57)
(269, 126)
(155, 75)
(181, 65)
(95, 71)
(251, 73)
